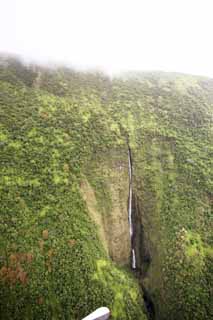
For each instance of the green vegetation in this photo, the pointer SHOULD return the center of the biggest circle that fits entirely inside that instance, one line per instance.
(49, 250)
(58, 127)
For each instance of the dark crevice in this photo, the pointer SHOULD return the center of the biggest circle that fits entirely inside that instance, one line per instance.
(143, 257)
(150, 308)
(142, 253)
(140, 241)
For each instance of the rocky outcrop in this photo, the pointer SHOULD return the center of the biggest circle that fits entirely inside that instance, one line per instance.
(107, 203)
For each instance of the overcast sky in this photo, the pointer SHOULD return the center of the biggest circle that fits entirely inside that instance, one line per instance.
(113, 35)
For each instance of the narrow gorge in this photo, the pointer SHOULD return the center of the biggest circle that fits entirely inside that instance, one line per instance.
(139, 266)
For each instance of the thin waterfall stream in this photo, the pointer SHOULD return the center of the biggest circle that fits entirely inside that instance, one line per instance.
(131, 230)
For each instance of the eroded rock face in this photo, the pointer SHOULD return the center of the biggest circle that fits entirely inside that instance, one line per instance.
(110, 214)
(117, 225)
(91, 202)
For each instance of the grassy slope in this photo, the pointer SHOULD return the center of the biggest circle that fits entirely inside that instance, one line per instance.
(49, 139)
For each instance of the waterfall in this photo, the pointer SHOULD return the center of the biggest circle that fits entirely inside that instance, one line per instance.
(133, 257)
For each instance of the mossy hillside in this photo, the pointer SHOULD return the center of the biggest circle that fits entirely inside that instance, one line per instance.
(170, 127)
(64, 124)
(49, 245)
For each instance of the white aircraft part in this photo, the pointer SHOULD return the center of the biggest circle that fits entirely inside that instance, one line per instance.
(102, 313)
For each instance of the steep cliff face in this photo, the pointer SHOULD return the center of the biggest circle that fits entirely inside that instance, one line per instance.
(66, 247)
(107, 198)
(170, 128)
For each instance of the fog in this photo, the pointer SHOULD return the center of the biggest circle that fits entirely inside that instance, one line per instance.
(111, 35)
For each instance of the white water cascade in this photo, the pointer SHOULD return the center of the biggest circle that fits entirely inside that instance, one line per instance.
(133, 257)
